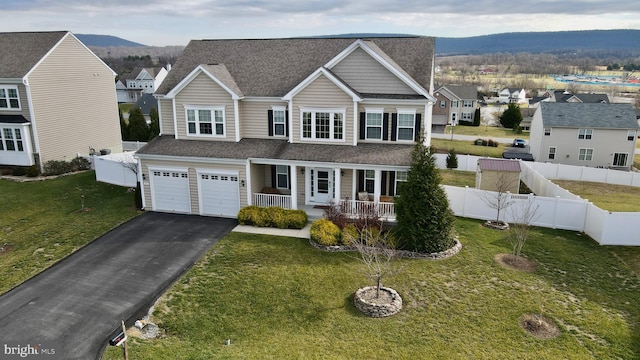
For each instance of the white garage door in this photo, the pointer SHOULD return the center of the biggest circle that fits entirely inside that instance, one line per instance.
(170, 191)
(219, 194)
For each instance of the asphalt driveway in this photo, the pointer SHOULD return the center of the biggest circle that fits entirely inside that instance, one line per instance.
(73, 307)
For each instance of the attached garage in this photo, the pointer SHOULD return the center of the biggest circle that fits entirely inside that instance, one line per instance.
(170, 190)
(219, 193)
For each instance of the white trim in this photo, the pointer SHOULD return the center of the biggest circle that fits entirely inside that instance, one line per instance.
(331, 111)
(247, 170)
(36, 140)
(290, 121)
(194, 74)
(279, 108)
(369, 110)
(236, 118)
(212, 109)
(294, 186)
(406, 102)
(314, 76)
(175, 119)
(159, 117)
(356, 118)
(6, 87)
(262, 99)
(190, 159)
(406, 111)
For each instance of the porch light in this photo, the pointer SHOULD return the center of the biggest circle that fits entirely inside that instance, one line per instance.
(242, 183)
(302, 171)
(342, 173)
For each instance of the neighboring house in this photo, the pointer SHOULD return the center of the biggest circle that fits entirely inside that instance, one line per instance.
(595, 135)
(146, 103)
(142, 81)
(498, 175)
(295, 123)
(454, 103)
(566, 97)
(57, 99)
(121, 92)
(512, 96)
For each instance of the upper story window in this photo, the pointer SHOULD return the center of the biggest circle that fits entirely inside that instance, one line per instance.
(279, 126)
(373, 124)
(443, 103)
(467, 103)
(323, 124)
(205, 121)
(631, 135)
(454, 103)
(547, 131)
(11, 140)
(9, 97)
(406, 125)
(585, 134)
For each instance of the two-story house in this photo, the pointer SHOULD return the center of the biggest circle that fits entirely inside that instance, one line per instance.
(57, 99)
(454, 103)
(288, 122)
(584, 134)
(512, 96)
(141, 81)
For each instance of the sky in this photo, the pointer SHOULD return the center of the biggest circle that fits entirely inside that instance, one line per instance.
(175, 22)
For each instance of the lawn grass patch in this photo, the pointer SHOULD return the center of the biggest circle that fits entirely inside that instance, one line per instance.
(606, 196)
(463, 147)
(44, 220)
(486, 132)
(458, 178)
(278, 297)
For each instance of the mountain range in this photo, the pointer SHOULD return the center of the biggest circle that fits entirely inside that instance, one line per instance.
(514, 42)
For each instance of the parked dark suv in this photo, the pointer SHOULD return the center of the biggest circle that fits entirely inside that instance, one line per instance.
(519, 143)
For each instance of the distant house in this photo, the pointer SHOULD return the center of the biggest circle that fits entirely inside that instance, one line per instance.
(512, 96)
(498, 175)
(121, 92)
(454, 103)
(57, 99)
(587, 134)
(147, 102)
(143, 81)
(563, 96)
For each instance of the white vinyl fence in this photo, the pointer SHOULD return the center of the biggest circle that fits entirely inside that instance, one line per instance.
(558, 208)
(116, 169)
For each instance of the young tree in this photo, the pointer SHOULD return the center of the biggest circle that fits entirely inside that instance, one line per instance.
(511, 117)
(424, 219)
(154, 127)
(500, 197)
(138, 129)
(452, 159)
(522, 215)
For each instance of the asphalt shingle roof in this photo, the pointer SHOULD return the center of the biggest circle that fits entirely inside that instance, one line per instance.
(463, 92)
(591, 115)
(272, 67)
(499, 165)
(379, 154)
(21, 51)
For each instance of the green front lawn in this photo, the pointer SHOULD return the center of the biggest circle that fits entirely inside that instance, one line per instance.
(486, 132)
(44, 221)
(277, 297)
(468, 147)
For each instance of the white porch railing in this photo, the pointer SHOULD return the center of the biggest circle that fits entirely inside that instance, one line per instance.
(268, 200)
(356, 208)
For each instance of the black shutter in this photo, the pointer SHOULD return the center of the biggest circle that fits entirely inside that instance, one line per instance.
(273, 177)
(385, 126)
(360, 180)
(363, 119)
(418, 118)
(286, 123)
(394, 126)
(270, 117)
(384, 183)
(289, 177)
(392, 183)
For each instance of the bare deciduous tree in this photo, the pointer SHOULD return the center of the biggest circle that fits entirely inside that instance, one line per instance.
(500, 196)
(523, 215)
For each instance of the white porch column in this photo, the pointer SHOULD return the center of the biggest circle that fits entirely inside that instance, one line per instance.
(294, 187)
(248, 183)
(337, 185)
(354, 184)
(377, 185)
(428, 120)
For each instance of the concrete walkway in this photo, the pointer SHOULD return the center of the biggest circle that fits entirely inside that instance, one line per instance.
(302, 233)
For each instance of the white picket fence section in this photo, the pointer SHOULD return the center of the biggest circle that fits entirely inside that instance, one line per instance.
(558, 208)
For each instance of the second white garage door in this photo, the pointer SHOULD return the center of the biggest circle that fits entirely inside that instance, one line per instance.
(219, 194)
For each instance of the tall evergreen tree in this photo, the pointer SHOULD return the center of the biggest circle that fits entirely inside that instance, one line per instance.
(124, 127)
(154, 126)
(138, 129)
(424, 219)
(511, 117)
(476, 117)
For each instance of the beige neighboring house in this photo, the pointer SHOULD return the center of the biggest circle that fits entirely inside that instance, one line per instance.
(584, 134)
(295, 123)
(454, 103)
(498, 175)
(57, 99)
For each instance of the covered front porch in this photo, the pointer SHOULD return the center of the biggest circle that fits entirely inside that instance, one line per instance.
(362, 190)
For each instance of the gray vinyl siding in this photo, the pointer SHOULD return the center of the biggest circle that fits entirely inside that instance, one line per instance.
(192, 167)
(253, 118)
(205, 92)
(367, 75)
(322, 93)
(74, 103)
(166, 113)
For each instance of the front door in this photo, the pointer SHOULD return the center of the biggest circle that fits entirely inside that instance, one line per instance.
(323, 186)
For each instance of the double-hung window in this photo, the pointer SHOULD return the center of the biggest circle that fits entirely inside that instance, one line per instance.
(279, 121)
(282, 176)
(401, 178)
(454, 103)
(585, 134)
(369, 181)
(9, 97)
(585, 154)
(467, 116)
(552, 152)
(322, 124)
(11, 140)
(205, 121)
(631, 134)
(547, 131)
(443, 104)
(467, 103)
(373, 124)
(406, 124)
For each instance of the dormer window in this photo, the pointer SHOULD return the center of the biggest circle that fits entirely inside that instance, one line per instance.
(205, 121)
